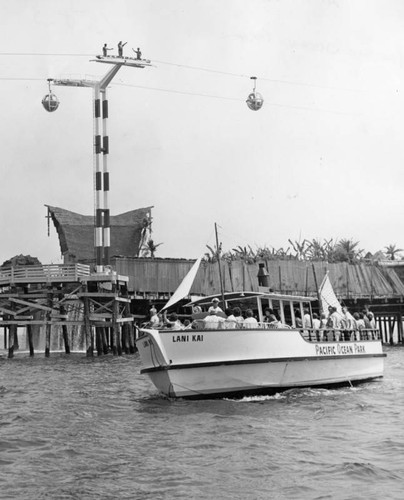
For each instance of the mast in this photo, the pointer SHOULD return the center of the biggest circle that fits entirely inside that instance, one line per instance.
(220, 268)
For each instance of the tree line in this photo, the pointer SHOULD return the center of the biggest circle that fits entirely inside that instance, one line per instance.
(332, 251)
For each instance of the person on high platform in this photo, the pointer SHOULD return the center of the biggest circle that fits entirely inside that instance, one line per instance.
(105, 50)
(120, 48)
(138, 53)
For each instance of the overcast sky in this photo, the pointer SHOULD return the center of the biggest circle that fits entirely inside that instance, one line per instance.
(322, 159)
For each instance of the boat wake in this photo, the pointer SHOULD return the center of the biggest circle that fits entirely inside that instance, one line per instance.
(293, 394)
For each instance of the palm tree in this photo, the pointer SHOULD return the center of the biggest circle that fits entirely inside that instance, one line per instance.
(213, 254)
(391, 251)
(347, 251)
(316, 250)
(300, 248)
(152, 247)
(245, 253)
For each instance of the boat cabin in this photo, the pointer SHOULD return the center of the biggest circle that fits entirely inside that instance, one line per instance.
(285, 307)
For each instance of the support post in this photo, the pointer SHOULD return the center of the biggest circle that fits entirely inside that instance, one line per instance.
(64, 332)
(30, 342)
(116, 330)
(48, 328)
(98, 340)
(11, 341)
(88, 330)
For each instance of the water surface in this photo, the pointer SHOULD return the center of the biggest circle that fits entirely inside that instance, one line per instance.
(79, 428)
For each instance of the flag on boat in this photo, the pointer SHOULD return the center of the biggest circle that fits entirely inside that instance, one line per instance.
(327, 296)
(185, 285)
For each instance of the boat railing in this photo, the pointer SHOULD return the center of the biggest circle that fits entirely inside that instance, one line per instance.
(340, 335)
(309, 334)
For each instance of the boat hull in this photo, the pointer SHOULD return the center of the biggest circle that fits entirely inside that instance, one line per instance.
(240, 362)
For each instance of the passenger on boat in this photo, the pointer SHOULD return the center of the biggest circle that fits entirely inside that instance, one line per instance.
(298, 319)
(307, 323)
(347, 323)
(238, 316)
(231, 321)
(368, 326)
(215, 306)
(323, 326)
(250, 321)
(316, 326)
(333, 324)
(372, 320)
(213, 321)
(187, 325)
(270, 320)
(268, 315)
(360, 324)
(316, 322)
(154, 318)
(174, 323)
(273, 322)
(347, 319)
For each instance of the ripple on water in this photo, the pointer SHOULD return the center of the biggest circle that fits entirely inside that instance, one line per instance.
(74, 428)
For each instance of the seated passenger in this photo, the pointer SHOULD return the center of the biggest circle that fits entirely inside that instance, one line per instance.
(213, 321)
(238, 316)
(174, 323)
(298, 319)
(215, 306)
(187, 325)
(231, 321)
(250, 321)
(272, 322)
(268, 315)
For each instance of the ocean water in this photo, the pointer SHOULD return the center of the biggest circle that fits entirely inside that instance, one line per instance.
(79, 428)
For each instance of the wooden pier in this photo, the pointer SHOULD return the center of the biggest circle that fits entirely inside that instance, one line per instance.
(64, 300)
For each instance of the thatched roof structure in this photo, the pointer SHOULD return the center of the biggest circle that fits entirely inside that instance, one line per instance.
(350, 281)
(76, 233)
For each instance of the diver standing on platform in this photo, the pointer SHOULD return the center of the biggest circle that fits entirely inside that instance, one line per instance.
(138, 53)
(120, 48)
(105, 50)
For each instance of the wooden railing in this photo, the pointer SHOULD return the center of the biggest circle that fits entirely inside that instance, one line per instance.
(44, 274)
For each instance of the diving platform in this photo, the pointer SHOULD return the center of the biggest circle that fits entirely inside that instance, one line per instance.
(123, 61)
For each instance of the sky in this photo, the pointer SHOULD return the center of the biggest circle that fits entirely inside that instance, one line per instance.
(323, 158)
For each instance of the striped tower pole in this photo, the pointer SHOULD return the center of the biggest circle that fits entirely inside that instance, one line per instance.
(105, 152)
(98, 184)
(102, 229)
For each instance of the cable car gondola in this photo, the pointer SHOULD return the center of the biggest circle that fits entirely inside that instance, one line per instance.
(50, 102)
(255, 99)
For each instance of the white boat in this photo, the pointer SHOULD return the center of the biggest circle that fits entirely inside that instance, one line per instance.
(201, 362)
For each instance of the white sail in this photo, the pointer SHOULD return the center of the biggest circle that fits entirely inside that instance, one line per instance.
(185, 285)
(327, 296)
